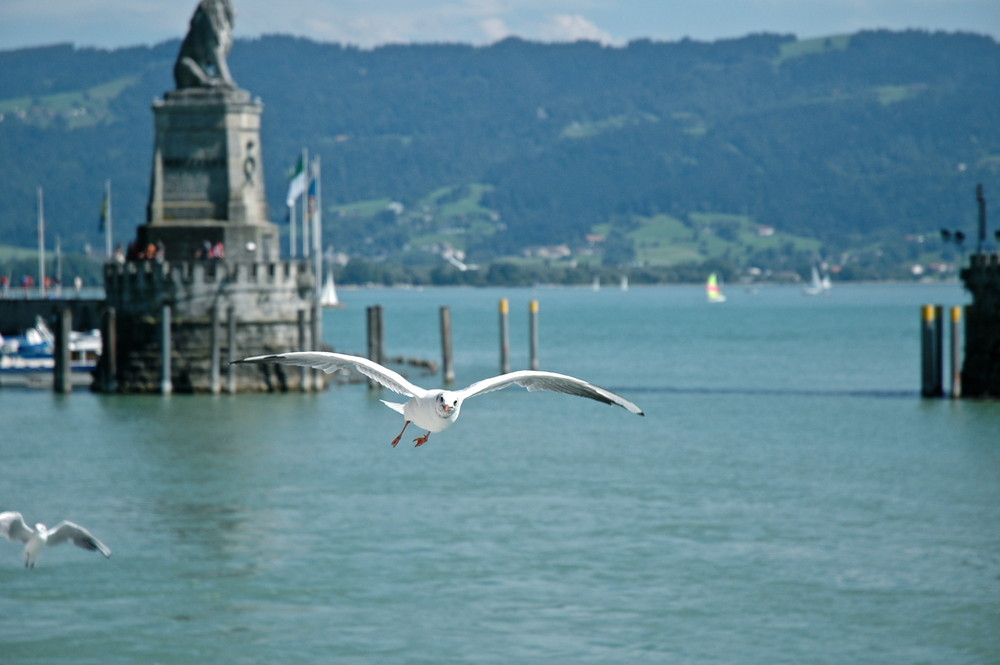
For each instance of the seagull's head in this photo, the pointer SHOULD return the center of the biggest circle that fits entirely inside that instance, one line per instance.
(41, 529)
(447, 404)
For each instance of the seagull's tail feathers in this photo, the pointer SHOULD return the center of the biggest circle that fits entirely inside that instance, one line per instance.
(395, 406)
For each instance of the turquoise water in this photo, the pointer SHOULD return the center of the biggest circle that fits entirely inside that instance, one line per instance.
(787, 499)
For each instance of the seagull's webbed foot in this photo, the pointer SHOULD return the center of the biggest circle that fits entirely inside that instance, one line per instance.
(400, 435)
(421, 440)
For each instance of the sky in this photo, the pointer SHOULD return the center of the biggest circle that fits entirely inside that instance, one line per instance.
(369, 23)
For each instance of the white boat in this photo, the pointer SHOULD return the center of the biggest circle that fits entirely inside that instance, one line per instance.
(328, 296)
(818, 285)
(712, 290)
(29, 359)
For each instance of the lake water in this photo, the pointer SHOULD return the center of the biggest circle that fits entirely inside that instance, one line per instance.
(788, 498)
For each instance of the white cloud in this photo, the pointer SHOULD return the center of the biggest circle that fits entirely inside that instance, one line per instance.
(495, 28)
(571, 28)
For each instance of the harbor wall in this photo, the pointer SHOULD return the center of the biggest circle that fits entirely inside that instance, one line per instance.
(218, 310)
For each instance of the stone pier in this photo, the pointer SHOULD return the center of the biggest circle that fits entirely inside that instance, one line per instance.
(203, 282)
(263, 299)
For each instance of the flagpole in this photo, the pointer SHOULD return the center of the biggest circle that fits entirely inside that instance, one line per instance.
(291, 231)
(317, 208)
(305, 205)
(59, 279)
(107, 219)
(317, 225)
(41, 241)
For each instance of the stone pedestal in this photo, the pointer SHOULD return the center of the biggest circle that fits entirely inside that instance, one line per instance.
(207, 182)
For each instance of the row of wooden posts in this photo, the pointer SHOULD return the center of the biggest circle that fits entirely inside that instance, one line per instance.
(932, 336)
(932, 352)
(376, 338)
(106, 380)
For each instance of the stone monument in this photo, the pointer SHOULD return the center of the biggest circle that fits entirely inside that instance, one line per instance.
(207, 184)
(204, 283)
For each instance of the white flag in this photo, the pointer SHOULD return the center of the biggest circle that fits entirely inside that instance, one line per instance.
(297, 183)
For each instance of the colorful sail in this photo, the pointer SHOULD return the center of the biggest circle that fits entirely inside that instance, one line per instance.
(712, 289)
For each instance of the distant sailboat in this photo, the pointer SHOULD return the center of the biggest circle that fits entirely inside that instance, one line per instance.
(712, 290)
(818, 285)
(328, 297)
(624, 283)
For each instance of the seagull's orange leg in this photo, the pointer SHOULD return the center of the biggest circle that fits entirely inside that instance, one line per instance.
(421, 440)
(400, 435)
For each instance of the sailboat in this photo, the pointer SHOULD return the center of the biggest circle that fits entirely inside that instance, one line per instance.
(712, 290)
(328, 296)
(818, 285)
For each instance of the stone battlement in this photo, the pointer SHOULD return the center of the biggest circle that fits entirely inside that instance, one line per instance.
(246, 308)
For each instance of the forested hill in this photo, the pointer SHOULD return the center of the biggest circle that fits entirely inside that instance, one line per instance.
(849, 140)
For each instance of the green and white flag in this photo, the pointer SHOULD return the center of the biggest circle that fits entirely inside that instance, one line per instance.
(297, 183)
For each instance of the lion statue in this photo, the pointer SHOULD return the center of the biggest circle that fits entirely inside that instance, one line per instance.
(202, 58)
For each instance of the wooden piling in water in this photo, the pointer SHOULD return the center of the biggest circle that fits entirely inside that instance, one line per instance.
(215, 379)
(166, 384)
(62, 371)
(304, 371)
(533, 333)
(931, 351)
(231, 349)
(108, 377)
(956, 352)
(376, 338)
(504, 336)
(447, 367)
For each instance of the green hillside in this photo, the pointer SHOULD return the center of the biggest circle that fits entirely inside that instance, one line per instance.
(763, 152)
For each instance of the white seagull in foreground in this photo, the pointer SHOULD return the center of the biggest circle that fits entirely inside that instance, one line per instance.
(437, 410)
(13, 526)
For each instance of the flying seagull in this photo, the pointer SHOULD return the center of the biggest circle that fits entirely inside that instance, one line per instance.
(437, 410)
(13, 526)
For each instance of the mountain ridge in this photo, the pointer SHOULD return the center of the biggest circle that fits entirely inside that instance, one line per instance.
(848, 141)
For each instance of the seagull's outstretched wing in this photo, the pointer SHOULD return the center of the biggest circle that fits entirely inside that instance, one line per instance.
(331, 362)
(68, 531)
(13, 526)
(559, 383)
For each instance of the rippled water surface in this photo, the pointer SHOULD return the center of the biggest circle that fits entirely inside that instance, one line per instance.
(788, 498)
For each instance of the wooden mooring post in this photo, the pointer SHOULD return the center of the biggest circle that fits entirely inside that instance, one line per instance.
(504, 336)
(931, 351)
(305, 374)
(231, 349)
(108, 376)
(956, 352)
(447, 366)
(166, 384)
(533, 333)
(376, 338)
(215, 379)
(62, 371)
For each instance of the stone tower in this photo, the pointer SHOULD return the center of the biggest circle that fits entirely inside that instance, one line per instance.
(204, 283)
(981, 369)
